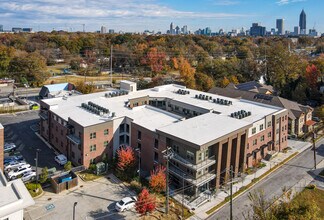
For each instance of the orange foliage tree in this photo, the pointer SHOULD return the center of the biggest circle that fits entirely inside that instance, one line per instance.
(187, 72)
(125, 161)
(155, 59)
(158, 179)
(145, 202)
(312, 74)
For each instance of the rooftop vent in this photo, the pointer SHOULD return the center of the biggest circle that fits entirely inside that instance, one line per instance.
(94, 108)
(240, 114)
(183, 92)
(116, 93)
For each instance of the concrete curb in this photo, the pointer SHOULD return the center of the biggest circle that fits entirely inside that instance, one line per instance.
(48, 145)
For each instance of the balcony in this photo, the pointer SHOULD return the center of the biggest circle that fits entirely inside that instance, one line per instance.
(202, 165)
(205, 178)
(75, 139)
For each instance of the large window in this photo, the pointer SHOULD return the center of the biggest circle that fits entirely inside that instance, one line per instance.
(106, 131)
(127, 128)
(269, 123)
(156, 143)
(190, 155)
(262, 138)
(261, 127)
(106, 143)
(255, 141)
(93, 135)
(139, 135)
(253, 130)
(93, 148)
(121, 128)
(156, 157)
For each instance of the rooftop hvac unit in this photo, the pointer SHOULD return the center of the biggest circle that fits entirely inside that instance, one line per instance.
(203, 96)
(196, 96)
(113, 114)
(232, 115)
(225, 102)
(188, 92)
(214, 100)
(200, 96)
(230, 102)
(249, 113)
(83, 105)
(206, 97)
(235, 114)
(240, 116)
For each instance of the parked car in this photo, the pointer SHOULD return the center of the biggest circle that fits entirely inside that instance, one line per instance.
(126, 203)
(61, 159)
(9, 147)
(13, 174)
(13, 165)
(12, 158)
(28, 176)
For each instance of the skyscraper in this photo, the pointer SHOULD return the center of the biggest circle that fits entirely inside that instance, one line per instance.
(257, 30)
(103, 30)
(302, 22)
(171, 28)
(280, 26)
(1, 28)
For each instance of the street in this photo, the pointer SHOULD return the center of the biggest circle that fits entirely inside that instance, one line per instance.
(286, 176)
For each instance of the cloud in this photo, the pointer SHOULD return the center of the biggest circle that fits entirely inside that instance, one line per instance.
(286, 2)
(98, 11)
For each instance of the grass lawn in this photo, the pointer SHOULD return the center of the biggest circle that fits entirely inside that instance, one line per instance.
(89, 176)
(74, 79)
(313, 194)
(34, 189)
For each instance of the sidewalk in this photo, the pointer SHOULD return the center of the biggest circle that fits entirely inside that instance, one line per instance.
(297, 146)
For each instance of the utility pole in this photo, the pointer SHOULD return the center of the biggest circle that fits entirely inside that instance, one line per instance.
(231, 193)
(111, 56)
(314, 147)
(168, 154)
(183, 189)
(37, 150)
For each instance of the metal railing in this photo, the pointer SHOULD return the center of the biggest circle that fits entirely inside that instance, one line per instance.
(203, 164)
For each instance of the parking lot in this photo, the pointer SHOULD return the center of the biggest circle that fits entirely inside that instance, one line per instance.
(20, 129)
(95, 200)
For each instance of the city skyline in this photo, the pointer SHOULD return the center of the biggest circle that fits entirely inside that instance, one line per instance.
(137, 16)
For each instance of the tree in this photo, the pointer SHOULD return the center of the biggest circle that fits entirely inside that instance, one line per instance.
(44, 175)
(158, 179)
(204, 82)
(145, 202)
(84, 88)
(68, 166)
(187, 73)
(6, 54)
(224, 82)
(312, 74)
(125, 159)
(155, 60)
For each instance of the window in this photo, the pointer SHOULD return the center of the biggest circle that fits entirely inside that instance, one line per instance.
(176, 108)
(283, 118)
(175, 148)
(121, 139)
(269, 134)
(121, 128)
(255, 141)
(127, 139)
(278, 120)
(199, 156)
(139, 145)
(253, 130)
(207, 153)
(139, 135)
(269, 123)
(127, 128)
(92, 161)
(277, 131)
(156, 157)
(93, 135)
(282, 129)
(261, 127)
(190, 155)
(106, 143)
(93, 148)
(262, 138)
(106, 131)
(156, 143)
(286, 117)
(285, 127)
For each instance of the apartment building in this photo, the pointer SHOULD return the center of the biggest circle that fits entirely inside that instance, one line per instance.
(207, 133)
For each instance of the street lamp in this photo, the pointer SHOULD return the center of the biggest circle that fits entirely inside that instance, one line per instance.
(36, 159)
(138, 150)
(74, 205)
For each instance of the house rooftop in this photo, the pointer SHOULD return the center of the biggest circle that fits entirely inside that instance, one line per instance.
(71, 106)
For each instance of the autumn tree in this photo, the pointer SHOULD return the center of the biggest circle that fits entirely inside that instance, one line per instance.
(125, 162)
(204, 82)
(145, 202)
(224, 82)
(6, 54)
(312, 74)
(158, 179)
(187, 73)
(155, 59)
(84, 88)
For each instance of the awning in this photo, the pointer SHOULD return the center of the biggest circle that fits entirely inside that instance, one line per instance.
(310, 123)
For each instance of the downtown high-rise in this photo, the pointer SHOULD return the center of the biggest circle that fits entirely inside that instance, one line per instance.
(302, 22)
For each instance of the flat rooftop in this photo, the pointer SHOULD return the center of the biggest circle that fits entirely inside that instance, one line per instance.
(14, 196)
(71, 107)
(203, 128)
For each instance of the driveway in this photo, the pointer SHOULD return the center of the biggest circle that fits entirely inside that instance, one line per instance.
(95, 200)
(20, 128)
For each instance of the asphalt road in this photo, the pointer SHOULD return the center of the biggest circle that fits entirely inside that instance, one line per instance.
(17, 129)
(286, 176)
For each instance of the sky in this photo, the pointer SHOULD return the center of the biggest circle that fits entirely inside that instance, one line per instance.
(140, 15)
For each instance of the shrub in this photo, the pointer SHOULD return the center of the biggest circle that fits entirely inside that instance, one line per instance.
(44, 175)
(68, 166)
(92, 167)
(136, 186)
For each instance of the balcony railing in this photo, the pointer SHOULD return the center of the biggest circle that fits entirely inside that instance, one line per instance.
(205, 178)
(203, 164)
(75, 139)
